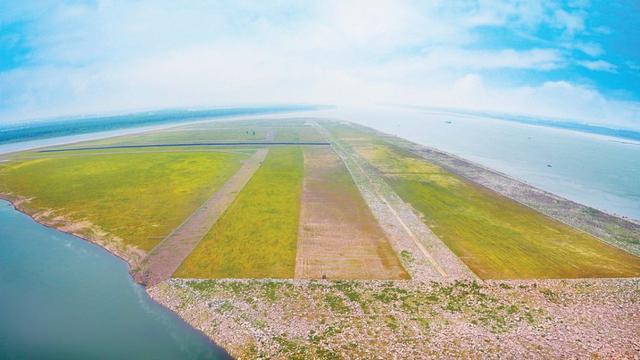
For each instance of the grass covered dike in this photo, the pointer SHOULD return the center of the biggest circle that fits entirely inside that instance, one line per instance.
(140, 197)
(496, 237)
(257, 235)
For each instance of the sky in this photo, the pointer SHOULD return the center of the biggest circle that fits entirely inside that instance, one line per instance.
(577, 60)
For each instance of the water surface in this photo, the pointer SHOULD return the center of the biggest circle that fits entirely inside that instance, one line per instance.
(598, 171)
(64, 298)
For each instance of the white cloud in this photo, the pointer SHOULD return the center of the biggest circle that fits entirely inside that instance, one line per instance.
(589, 48)
(117, 56)
(538, 59)
(556, 99)
(598, 65)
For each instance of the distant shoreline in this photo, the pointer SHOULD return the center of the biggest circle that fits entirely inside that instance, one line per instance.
(43, 129)
(600, 130)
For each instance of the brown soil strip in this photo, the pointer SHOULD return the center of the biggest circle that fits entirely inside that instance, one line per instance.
(423, 254)
(167, 256)
(338, 236)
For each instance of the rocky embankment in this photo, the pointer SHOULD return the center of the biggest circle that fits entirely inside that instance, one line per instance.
(408, 319)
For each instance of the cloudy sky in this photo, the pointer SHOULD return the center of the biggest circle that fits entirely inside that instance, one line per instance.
(576, 59)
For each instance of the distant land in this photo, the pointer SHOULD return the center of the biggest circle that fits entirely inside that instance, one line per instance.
(540, 121)
(46, 128)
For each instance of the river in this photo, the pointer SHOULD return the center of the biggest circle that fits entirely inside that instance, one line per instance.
(64, 298)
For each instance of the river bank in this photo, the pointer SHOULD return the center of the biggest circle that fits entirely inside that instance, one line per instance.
(84, 230)
(620, 232)
(64, 297)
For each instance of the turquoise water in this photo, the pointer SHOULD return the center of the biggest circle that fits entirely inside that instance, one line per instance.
(602, 172)
(63, 298)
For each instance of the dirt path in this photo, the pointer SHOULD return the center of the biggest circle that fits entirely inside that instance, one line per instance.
(167, 256)
(424, 255)
(338, 237)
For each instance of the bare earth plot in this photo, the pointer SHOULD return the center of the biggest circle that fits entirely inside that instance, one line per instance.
(338, 237)
(165, 258)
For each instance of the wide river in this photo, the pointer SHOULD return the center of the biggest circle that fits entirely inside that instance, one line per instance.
(598, 171)
(64, 298)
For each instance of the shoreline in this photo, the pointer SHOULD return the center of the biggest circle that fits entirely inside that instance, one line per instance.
(34, 217)
(121, 258)
(612, 229)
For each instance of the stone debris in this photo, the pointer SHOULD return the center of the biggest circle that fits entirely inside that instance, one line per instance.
(410, 320)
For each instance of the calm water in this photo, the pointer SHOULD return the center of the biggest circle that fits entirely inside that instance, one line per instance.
(63, 298)
(602, 172)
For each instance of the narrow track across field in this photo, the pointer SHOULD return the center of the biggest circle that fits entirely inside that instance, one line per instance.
(167, 256)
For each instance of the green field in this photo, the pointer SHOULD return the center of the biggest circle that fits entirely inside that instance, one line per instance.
(299, 133)
(137, 196)
(496, 237)
(180, 135)
(257, 235)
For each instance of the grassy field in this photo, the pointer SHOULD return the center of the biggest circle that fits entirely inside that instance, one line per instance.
(180, 135)
(495, 236)
(256, 237)
(299, 133)
(217, 131)
(137, 196)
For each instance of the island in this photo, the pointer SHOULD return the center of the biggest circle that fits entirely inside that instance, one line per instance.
(306, 237)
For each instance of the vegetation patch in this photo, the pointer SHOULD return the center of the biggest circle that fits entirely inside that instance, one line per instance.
(256, 237)
(202, 134)
(299, 133)
(139, 197)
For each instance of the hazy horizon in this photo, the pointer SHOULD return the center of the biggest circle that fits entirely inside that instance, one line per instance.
(569, 60)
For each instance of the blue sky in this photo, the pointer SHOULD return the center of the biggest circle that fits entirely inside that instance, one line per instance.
(576, 59)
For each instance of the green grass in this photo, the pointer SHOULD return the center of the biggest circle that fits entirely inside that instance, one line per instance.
(179, 135)
(299, 133)
(139, 197)
(496, 237)
(256, 237)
